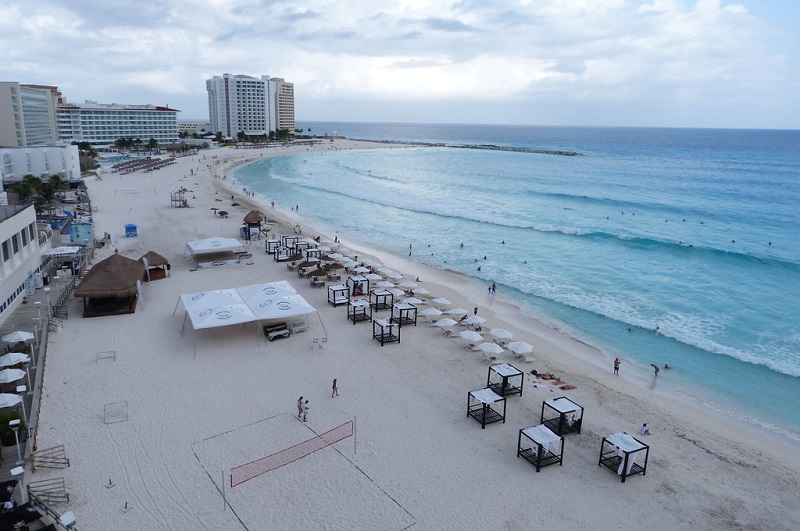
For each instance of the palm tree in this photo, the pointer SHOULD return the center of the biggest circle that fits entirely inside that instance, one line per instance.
(152, 145)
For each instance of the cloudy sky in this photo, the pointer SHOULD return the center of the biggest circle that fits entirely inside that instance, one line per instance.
(704, 63)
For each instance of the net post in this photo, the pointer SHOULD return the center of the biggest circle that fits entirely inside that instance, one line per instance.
(355, 439)
(224, 502)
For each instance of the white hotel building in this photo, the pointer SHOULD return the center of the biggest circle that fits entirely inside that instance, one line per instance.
(104, 123)
(255, 106)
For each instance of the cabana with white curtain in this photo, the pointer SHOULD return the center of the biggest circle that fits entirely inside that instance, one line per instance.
(484, 406)
(385, 331)
(270, 246)
(338, 294)
(562, 415)
(624, 454)
(359, 286)
(404, 313)
(381, 299)
(359, 310)
(505, 379)
(540, 446)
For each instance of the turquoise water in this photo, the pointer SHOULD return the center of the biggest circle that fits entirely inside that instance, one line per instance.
(694, 233)
(80, 232)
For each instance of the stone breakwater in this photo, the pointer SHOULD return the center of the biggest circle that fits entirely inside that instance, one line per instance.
(490, 147)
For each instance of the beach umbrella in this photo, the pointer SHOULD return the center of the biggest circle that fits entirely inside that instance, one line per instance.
(349, 264)
(296, 257)
(501, 333)
(397, 292)
(373, 276)
(470, 335)
(408, 284)
(456, 311)
(9, 400)
(306, 264)
(390, 273)
(361, 269)
(491, 348)
(441, 301)
(17, 336)
(371, 263)
(333, 266)
(474, 320)
(520, 347)
(11, 375)
(444, 323)
(384, 284)
(430, 312)
(413, 300)
(318, 273)
(421, 291)
(324, 248)
(13, 358)
(336, 256)
(312, 259)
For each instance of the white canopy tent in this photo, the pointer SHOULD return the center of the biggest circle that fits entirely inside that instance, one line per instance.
(256, 302)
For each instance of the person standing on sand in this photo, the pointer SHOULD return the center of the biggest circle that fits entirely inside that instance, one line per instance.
(305, 410)
(300, 407)
(655, 370)
(494, 287)
(475, 311)
(334, 389)
(616, 365)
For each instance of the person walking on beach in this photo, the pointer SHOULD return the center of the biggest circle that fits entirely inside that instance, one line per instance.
(494, 287)
(334, 389)
(475, 311)
(305, 410)
(655, 369)
(300, 407)
(616, 365)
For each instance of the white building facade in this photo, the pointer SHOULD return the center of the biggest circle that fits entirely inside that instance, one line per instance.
(27, 115)
(22, 254)
(42, 162)
(102, 124)
(240, 103)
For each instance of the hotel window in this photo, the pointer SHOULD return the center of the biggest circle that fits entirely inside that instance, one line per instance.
(6, 256)
(24, 238)
(15, 243)
(32, 231)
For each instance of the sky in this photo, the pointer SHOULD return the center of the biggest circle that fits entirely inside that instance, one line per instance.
(661, 63)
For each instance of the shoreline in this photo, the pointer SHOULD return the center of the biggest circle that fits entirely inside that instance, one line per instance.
(202, 402)
(586, 359)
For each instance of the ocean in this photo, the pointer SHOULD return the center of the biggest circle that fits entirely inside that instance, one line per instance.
(665, 246)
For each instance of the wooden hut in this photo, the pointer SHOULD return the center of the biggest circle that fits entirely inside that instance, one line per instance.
(540, 446)
(624, 454)
(157, 267)
(252, 225)
(110, 287)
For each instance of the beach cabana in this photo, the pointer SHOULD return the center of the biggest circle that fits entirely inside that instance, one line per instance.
(385, 331)
(338, 294)
(404, 313)
(358, 285)
(288, 241)
(540, 446)
(111, 287)
(359, 310)
(505, 379)
(214, 252)
(270, 246)
(484, 406)
(177, 198)
(156, 266)
(624, 454)
(282, 254)
(562, 415)
(380, 299)
(252, 225)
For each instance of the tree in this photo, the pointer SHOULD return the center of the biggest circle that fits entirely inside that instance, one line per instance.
(86, 148)
(152, 144)
(218, 136)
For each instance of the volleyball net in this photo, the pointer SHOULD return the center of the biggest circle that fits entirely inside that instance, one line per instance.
(260, 466)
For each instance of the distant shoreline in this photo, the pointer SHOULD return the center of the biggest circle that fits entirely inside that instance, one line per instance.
(489, 147)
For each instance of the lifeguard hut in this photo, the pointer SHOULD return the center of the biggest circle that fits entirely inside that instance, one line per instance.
(177, 198)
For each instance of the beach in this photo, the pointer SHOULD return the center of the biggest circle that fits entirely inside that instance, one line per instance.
(202, 403)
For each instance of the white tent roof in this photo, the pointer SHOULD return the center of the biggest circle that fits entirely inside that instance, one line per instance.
(210, 245)
(255, 302)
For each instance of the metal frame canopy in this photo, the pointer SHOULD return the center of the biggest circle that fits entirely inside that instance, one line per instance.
(506, 372)
(540, 447)
(620, 451)
(479, 406)
(561, 423)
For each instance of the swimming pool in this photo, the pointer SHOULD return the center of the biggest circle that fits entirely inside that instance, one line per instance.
(81, 232)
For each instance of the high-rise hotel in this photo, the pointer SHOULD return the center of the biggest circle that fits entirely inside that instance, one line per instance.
(251, 105)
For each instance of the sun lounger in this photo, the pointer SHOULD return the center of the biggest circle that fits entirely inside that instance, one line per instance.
(277, 331)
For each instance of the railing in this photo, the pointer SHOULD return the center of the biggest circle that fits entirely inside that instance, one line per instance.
(42, 506)
(8, 211)
(55, 457)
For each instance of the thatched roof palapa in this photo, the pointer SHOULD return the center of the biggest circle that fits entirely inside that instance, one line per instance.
(116, 276)
(254, 217)
(154, 259)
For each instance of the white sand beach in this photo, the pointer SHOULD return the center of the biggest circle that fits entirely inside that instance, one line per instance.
(203, 403)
